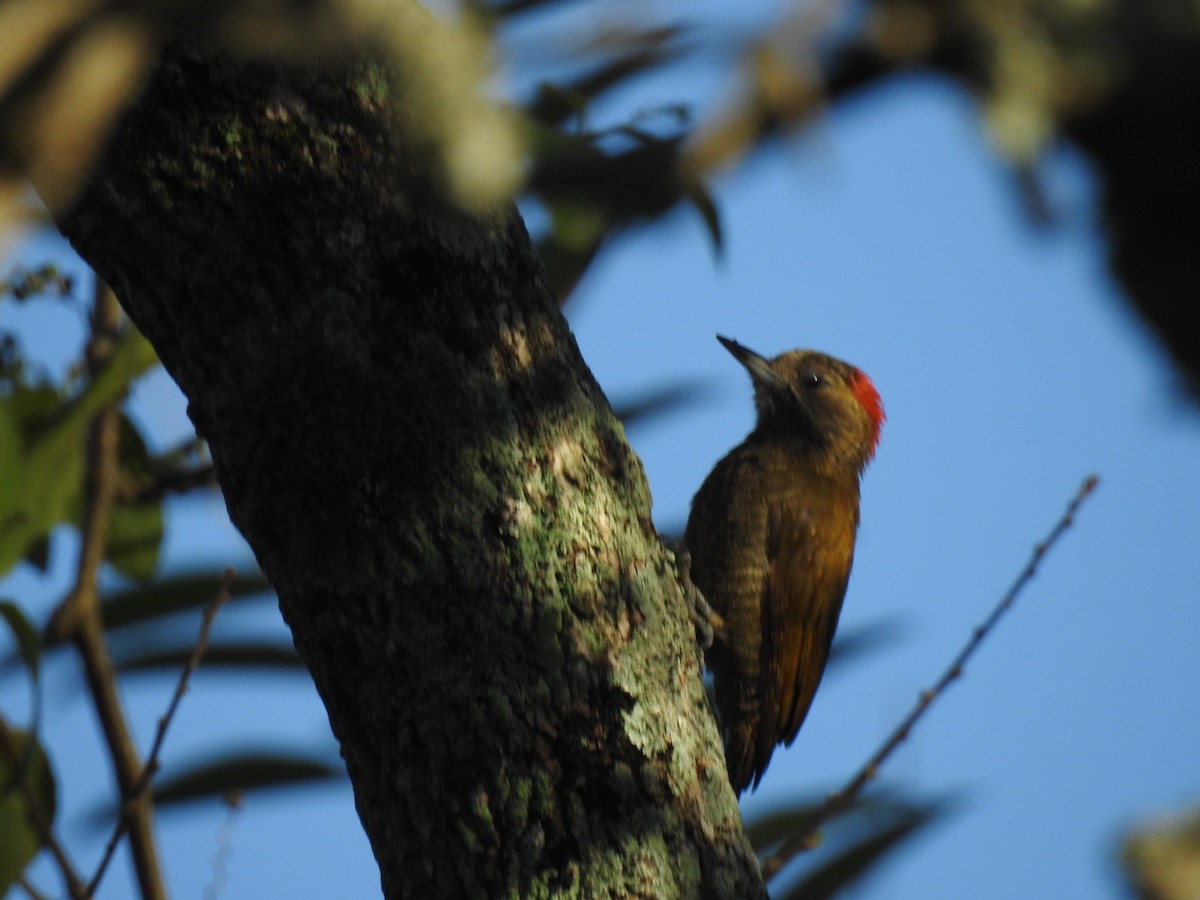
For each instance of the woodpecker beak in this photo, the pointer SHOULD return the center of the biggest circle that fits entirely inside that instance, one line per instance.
(759, 367)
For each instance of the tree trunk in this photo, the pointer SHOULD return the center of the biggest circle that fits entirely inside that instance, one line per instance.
(406, 434)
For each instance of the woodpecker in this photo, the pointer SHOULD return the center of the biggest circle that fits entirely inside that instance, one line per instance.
(771, 542)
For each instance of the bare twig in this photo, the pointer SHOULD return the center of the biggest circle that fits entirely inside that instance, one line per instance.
(840, 801)
(179, 482)
(164, 478)
(40, 819)
(135, 489)
(140, 789)
(78, 618)
(30, 889)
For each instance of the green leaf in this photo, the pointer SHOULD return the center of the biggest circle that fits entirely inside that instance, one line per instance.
(132, 358)
(578, 225)
(131, 450)
(136, 529)
(34, 406)
(134, 538)
(11, 451)
(45, 493)
(42, 468)
(578, 232)
(22, 762)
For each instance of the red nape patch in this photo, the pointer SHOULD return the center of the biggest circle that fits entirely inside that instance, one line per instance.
(868, 397)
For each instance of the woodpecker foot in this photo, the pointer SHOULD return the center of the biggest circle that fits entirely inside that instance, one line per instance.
(704, 619)
(702, 615)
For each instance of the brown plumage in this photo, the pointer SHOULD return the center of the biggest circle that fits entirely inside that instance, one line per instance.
(771, 539)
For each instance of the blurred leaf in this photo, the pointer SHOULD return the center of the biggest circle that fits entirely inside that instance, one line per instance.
(863, 640)
(10, 463)
(131, 449)
(577, 226)
(639, 51)
(29, 645)
(701, 198)
(597, 185)
(136, 529)
(846, 867)
(228, 655)
(576, 235)
(656, 402)
(565, 265)
(24, 284)
(636, 178)
(164, 598)
(178, 470)
(1161, 858)
(134, 538)
(22, 761)
(34, 406)
(509, 8)
(555, 103)
(244, 772)
(180, 479)
(768, 829)
(38, 554)
(42, 468)
(177, 593)
(184, 453)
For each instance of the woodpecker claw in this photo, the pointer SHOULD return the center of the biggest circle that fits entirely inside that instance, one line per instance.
(704, 618)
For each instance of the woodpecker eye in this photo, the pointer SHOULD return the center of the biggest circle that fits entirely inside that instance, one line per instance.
(812, 379)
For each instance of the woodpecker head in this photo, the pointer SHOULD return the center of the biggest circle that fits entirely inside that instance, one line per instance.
(814, 398)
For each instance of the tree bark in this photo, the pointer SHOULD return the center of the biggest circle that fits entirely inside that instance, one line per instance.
(406, 434)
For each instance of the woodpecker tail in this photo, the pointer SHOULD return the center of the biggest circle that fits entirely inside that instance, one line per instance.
(740, 751)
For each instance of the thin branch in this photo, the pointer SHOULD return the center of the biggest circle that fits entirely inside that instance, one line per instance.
(133, 489)
(206, 623)
(78, 617)
(179, 482)
(41, 821)
(840, 801)
(140, 790)
(30, 889)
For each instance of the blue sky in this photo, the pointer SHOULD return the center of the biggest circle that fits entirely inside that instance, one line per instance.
(1010, 369)
(891, 236)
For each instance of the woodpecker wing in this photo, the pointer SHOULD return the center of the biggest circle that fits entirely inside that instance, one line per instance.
(807, 576)
(726, 535)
